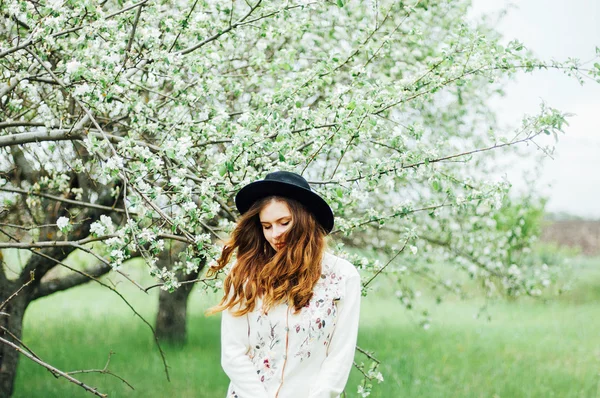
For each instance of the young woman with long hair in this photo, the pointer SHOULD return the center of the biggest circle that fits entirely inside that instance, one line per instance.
(290, 309)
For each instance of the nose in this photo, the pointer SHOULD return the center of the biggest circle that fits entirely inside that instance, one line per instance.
(277, 232)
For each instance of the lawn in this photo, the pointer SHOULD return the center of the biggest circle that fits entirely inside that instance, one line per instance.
(529, 348)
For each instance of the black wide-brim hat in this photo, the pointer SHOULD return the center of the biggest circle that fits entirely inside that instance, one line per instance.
(289, 185)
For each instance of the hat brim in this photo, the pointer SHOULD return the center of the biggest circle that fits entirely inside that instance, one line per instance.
(263, 188)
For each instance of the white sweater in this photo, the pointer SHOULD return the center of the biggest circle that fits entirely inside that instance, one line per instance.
(286, 355)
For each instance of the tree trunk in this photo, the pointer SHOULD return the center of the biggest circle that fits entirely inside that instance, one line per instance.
(172, 315)
(11, 320)
(172, 307)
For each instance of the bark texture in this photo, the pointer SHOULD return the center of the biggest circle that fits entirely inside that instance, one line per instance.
(171, 319)
(12, 329)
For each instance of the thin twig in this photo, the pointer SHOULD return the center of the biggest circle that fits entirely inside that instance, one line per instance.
(18, 340)
(31, 278)
(114, 14)
(221, 32)
(185, 22)
(54, 370)
(203, 280)
(396, 214)
(380, 270)
(103, 371)
(429, 161)
(368, 354)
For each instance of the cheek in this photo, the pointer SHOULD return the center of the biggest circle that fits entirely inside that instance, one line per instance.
(267, 235)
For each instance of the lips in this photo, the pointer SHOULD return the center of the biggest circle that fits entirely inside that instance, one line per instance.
(279, 245)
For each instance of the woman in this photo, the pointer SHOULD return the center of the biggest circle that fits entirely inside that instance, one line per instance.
(290, 310)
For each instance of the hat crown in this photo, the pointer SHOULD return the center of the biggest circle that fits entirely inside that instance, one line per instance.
(290, 185)
(289, 178)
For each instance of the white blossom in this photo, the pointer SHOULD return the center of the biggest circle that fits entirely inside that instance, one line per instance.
(73, 66)
(97, 228)
(116, 257)
(363, 392)
(114, 163)
(63, 224)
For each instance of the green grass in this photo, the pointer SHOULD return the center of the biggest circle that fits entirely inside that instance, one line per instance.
(529, 348)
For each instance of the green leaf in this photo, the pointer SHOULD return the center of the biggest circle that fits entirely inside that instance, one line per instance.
(340, 3)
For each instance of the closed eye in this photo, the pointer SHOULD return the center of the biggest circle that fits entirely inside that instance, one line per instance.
(268, 226)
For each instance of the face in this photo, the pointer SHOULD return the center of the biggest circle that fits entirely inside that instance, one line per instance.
(276, 219)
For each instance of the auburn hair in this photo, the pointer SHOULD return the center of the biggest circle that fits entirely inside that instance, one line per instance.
(288, 275)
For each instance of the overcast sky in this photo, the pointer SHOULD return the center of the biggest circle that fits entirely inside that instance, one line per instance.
(557, 29)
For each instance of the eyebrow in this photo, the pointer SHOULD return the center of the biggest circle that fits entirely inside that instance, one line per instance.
(279, 219)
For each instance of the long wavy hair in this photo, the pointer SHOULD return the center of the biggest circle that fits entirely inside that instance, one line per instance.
(288, 275)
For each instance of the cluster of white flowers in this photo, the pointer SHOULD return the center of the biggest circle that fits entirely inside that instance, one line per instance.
(64, 224)
(113, 165)
(376, 375)
(102, 227)
(116, 258)
(147, 235)
(364, 391)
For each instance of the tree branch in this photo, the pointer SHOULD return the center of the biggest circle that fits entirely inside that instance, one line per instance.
(78, 243)
(380, 270)
(8, 87)
(16, 48)
(63, 200)
(5, 125)
(397, 214)
(31, 278)
(114, 14)
(56, 285)
(103, 371)
(222, 32)
(54, 370)
(62, 135)
(367, 354)
(460, 253)
(185, 23)
(429, 161)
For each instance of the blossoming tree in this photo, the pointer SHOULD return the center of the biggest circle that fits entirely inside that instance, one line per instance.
(126, 126)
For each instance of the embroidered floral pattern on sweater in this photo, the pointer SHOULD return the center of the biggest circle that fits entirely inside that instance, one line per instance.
(265, 348)
(318, 318)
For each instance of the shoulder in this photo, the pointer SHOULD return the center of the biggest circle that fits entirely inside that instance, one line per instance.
(340, 266)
